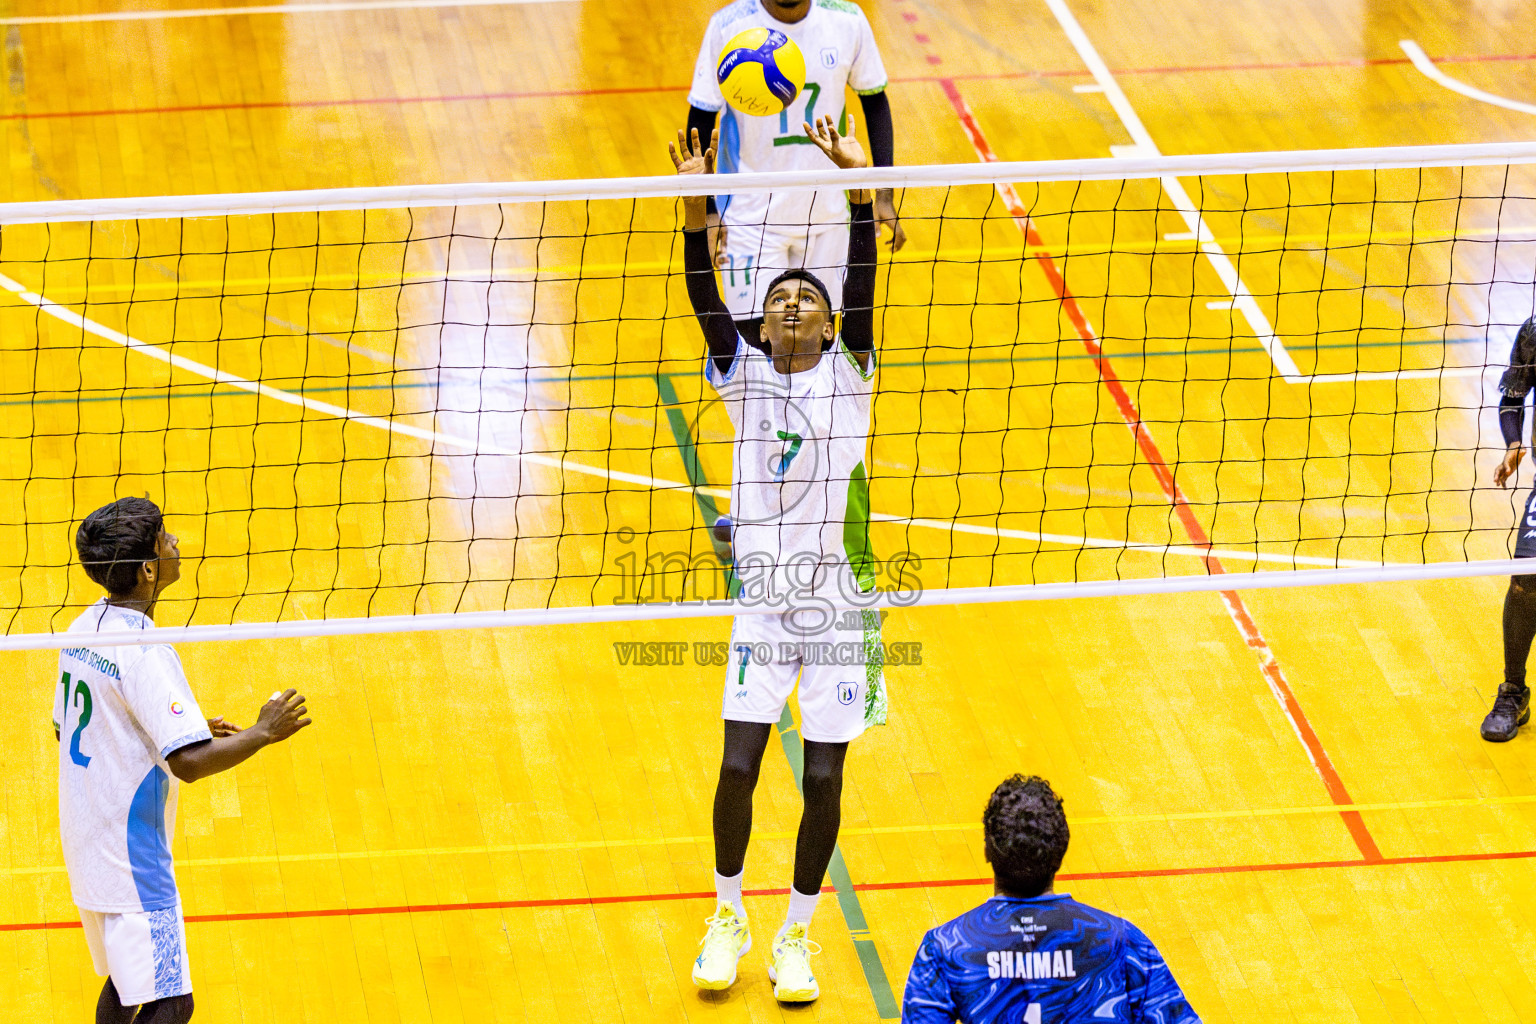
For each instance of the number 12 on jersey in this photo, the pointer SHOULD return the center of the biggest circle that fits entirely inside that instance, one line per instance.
(82, 701)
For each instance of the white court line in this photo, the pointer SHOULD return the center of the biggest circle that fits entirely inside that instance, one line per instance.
(1242, 299)
(1071, 541)
(1431, 373)
(217, 375)
(225, 12)
(213, 373)
(1427, 68)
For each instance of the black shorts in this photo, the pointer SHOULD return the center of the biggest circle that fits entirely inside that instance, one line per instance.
(1525, 535)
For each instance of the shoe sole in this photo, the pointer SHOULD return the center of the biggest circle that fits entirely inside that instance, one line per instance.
(801, 996)
(709, 985)
(1507, 736)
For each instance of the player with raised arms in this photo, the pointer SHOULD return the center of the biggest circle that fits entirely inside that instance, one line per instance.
(1512, 705)
(798, 394)
(128, 729)
(1031, 955)
(761, 235)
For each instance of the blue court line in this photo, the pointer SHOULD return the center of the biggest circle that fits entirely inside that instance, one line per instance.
(185, 391)
(789, 736)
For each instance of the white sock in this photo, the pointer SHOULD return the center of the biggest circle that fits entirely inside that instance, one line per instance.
(801, 909)
(728, 890)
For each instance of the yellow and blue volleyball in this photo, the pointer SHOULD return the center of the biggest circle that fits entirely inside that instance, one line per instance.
(761, 71)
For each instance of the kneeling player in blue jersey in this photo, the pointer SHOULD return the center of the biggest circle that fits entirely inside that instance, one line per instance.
(1033, 956)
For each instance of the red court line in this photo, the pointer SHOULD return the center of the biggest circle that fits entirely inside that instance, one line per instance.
(937, 883)
(371, 101)
(1236, 608)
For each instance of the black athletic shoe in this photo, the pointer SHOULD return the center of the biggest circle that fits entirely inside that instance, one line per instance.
(1511, 710)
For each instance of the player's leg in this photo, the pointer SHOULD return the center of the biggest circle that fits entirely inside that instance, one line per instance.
(110, 1009)
(1512, 705)
(756, 687)
(740, 763)
(177, 1010)
(842, 692)
(822, 786)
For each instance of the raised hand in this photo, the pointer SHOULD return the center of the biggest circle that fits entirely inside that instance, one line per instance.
(282, 716)
(885, 217)
(697, 159)
(843, 150)
(1508, 465)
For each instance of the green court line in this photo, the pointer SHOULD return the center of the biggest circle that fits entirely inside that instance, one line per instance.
(183, 391)
(789, 735)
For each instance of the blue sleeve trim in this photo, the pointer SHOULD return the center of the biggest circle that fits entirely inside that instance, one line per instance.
(713, 375)
(186, 741)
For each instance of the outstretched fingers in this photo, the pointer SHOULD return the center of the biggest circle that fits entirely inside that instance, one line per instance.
(689, 155)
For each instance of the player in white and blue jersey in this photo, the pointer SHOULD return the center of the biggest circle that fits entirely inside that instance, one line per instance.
(798, 392)
(1030, 955)
(756, 236)
(129, 728)
(1512, 705)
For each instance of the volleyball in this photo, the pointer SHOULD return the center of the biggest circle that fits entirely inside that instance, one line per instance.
(761, 71)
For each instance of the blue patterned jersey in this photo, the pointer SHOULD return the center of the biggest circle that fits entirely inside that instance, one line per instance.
(1047, 960)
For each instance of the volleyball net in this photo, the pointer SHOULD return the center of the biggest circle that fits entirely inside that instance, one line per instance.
(376, 409)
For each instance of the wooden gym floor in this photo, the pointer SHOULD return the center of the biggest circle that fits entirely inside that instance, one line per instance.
(1288, 793)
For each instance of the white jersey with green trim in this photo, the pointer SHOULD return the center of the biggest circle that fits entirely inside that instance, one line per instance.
(799, 490)
(839, 50)
(120, 712)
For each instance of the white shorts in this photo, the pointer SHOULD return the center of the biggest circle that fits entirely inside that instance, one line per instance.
(755, 255)
(841, 672)
(145, 953)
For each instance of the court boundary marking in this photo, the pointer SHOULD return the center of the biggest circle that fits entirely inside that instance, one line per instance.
(1427, 68)
(865, 831)
(937, 883)
(1247, 628)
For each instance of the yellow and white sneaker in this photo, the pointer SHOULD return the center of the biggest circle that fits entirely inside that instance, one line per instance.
(726, 941)
(790, 970)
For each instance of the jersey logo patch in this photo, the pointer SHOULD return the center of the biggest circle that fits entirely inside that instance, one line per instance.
(847, 692)
(177, 709)
(829, 57)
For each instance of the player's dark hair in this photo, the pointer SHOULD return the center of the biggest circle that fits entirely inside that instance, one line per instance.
(116, 539)
(801, 275)
(1026, 835)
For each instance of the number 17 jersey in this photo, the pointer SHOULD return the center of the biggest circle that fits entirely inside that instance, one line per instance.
(120, 712)
(839, 49)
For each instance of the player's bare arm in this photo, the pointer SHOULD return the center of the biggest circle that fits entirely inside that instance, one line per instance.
(279, 718)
